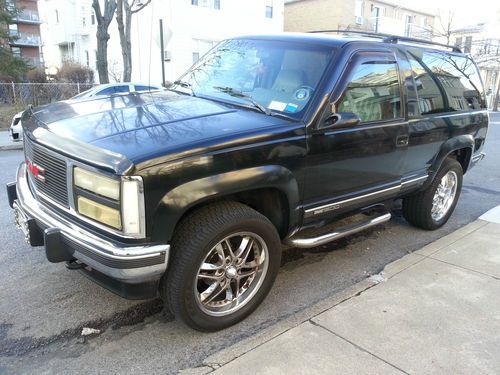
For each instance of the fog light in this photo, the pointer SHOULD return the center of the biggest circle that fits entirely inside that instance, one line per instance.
(99, 212)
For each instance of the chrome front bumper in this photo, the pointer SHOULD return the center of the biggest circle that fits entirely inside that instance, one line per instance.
(130, 264)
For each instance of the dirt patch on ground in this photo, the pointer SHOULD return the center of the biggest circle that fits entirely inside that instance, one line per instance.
(6, 114)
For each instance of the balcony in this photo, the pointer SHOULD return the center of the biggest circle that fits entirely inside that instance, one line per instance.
(25, 40)
(28, 16)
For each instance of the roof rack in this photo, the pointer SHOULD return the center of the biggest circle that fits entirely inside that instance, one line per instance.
(389, 38)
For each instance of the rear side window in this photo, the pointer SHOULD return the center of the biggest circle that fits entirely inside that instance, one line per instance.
(144, 88)
(430, 99)
(373, 91)
(459, 78)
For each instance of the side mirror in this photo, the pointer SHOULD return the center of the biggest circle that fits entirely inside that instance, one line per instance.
(342, 119)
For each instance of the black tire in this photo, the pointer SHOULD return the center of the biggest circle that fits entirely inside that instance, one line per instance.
(193, 240)
(417, 208)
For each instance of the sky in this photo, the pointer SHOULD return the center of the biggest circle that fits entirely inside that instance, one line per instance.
(466, 13)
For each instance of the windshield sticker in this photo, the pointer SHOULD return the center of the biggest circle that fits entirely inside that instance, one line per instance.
(290, 107)
(301, 94)
(277, 106)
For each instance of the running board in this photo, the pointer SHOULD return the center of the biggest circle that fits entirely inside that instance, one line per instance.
(341, 232)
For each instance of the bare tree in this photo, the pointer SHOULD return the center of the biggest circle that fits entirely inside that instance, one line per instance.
(445, 28)
(124, 13)
(103, 21)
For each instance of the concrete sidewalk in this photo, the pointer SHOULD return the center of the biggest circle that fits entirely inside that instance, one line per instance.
(436, 310)
(6, 143)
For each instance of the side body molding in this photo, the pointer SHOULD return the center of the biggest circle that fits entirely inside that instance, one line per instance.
(183, 197)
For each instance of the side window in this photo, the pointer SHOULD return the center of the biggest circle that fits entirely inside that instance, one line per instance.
(373, 91)
(121, 89)
(106, 91)
(430, 99)
(143, 88)
(459, 78)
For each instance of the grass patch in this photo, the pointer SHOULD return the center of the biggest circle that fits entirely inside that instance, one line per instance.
(6, 114)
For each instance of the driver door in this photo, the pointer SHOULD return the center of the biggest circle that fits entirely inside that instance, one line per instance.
(351, 165)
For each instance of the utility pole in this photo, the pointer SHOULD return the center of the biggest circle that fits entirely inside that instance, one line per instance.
(162, 54)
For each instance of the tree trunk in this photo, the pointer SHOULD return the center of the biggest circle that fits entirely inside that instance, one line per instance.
(496, 97)
(103, 21)
(124, 15)
(102, 55)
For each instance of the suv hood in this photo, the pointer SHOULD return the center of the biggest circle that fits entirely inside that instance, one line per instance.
(143, 127)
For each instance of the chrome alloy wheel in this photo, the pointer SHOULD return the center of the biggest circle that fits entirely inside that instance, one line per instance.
(444, 195)
(231, 273)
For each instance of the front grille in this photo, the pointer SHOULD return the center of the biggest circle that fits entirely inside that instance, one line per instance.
(56, 181)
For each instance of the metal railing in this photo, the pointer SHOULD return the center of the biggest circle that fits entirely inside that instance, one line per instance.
(24, 94)
(25, 39)
(30, 16)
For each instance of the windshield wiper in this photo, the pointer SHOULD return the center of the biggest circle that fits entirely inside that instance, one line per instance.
(238, 94)
(185, 85)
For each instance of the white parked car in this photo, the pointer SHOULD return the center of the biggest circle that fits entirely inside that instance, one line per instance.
(16, 130)
(116, 88)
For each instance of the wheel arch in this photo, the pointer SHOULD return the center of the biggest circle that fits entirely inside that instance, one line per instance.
(268, 189)
(459, 148)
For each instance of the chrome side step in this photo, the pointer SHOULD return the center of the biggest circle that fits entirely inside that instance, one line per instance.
(341, 232)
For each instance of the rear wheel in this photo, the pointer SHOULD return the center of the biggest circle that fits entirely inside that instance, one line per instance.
(225, 260)
(431, 208)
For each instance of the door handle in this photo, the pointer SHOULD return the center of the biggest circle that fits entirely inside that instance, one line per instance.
(402, 140)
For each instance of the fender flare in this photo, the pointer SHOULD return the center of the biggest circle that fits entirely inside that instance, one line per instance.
(179, 200)
(452, 144)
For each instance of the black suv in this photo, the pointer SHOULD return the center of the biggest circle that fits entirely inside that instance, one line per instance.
(189, 193)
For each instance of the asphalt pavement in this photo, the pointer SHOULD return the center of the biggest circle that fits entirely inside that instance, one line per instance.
(45, 306)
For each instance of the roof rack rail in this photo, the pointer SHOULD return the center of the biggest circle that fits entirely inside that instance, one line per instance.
(389, 38)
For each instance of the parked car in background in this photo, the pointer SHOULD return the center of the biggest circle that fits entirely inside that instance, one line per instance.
(116, 88)
(16, 129)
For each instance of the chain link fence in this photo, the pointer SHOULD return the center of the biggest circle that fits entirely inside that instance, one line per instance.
(24, 94)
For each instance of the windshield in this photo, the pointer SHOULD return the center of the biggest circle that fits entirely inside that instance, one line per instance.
(262, 74)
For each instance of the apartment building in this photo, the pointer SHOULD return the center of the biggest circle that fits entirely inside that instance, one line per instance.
(25, 29)
(68, 29)
(367, 15)
(190, 28)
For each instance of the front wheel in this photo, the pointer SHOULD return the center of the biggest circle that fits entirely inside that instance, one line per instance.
(225, 259)
(431, 208)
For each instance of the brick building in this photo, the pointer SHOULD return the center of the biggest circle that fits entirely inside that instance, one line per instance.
(369, 15)
(26, 31)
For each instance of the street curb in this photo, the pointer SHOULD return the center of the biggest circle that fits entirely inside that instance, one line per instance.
(224, 356)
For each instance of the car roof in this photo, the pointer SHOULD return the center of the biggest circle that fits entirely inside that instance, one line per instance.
(330, 40)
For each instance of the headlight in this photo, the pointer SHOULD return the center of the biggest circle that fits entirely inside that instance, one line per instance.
(115, 203)
(97, 183)
(99, 212)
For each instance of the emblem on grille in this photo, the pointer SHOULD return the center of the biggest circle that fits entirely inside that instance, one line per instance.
(37, 171)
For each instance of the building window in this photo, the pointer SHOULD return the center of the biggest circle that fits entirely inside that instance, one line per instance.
(468, 44)
(375, 16)
(87, 58)
(57, 16)
(84, 22)
(196, 57)
(408, 24)
(269, 11)
(458, 42)
(215, 4)
(16, 51)
(92, 18)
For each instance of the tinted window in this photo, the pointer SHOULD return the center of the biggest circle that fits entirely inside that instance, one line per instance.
(430, 99)
(144, 88)
(373, 91)
(113, 90)
(459, 78)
